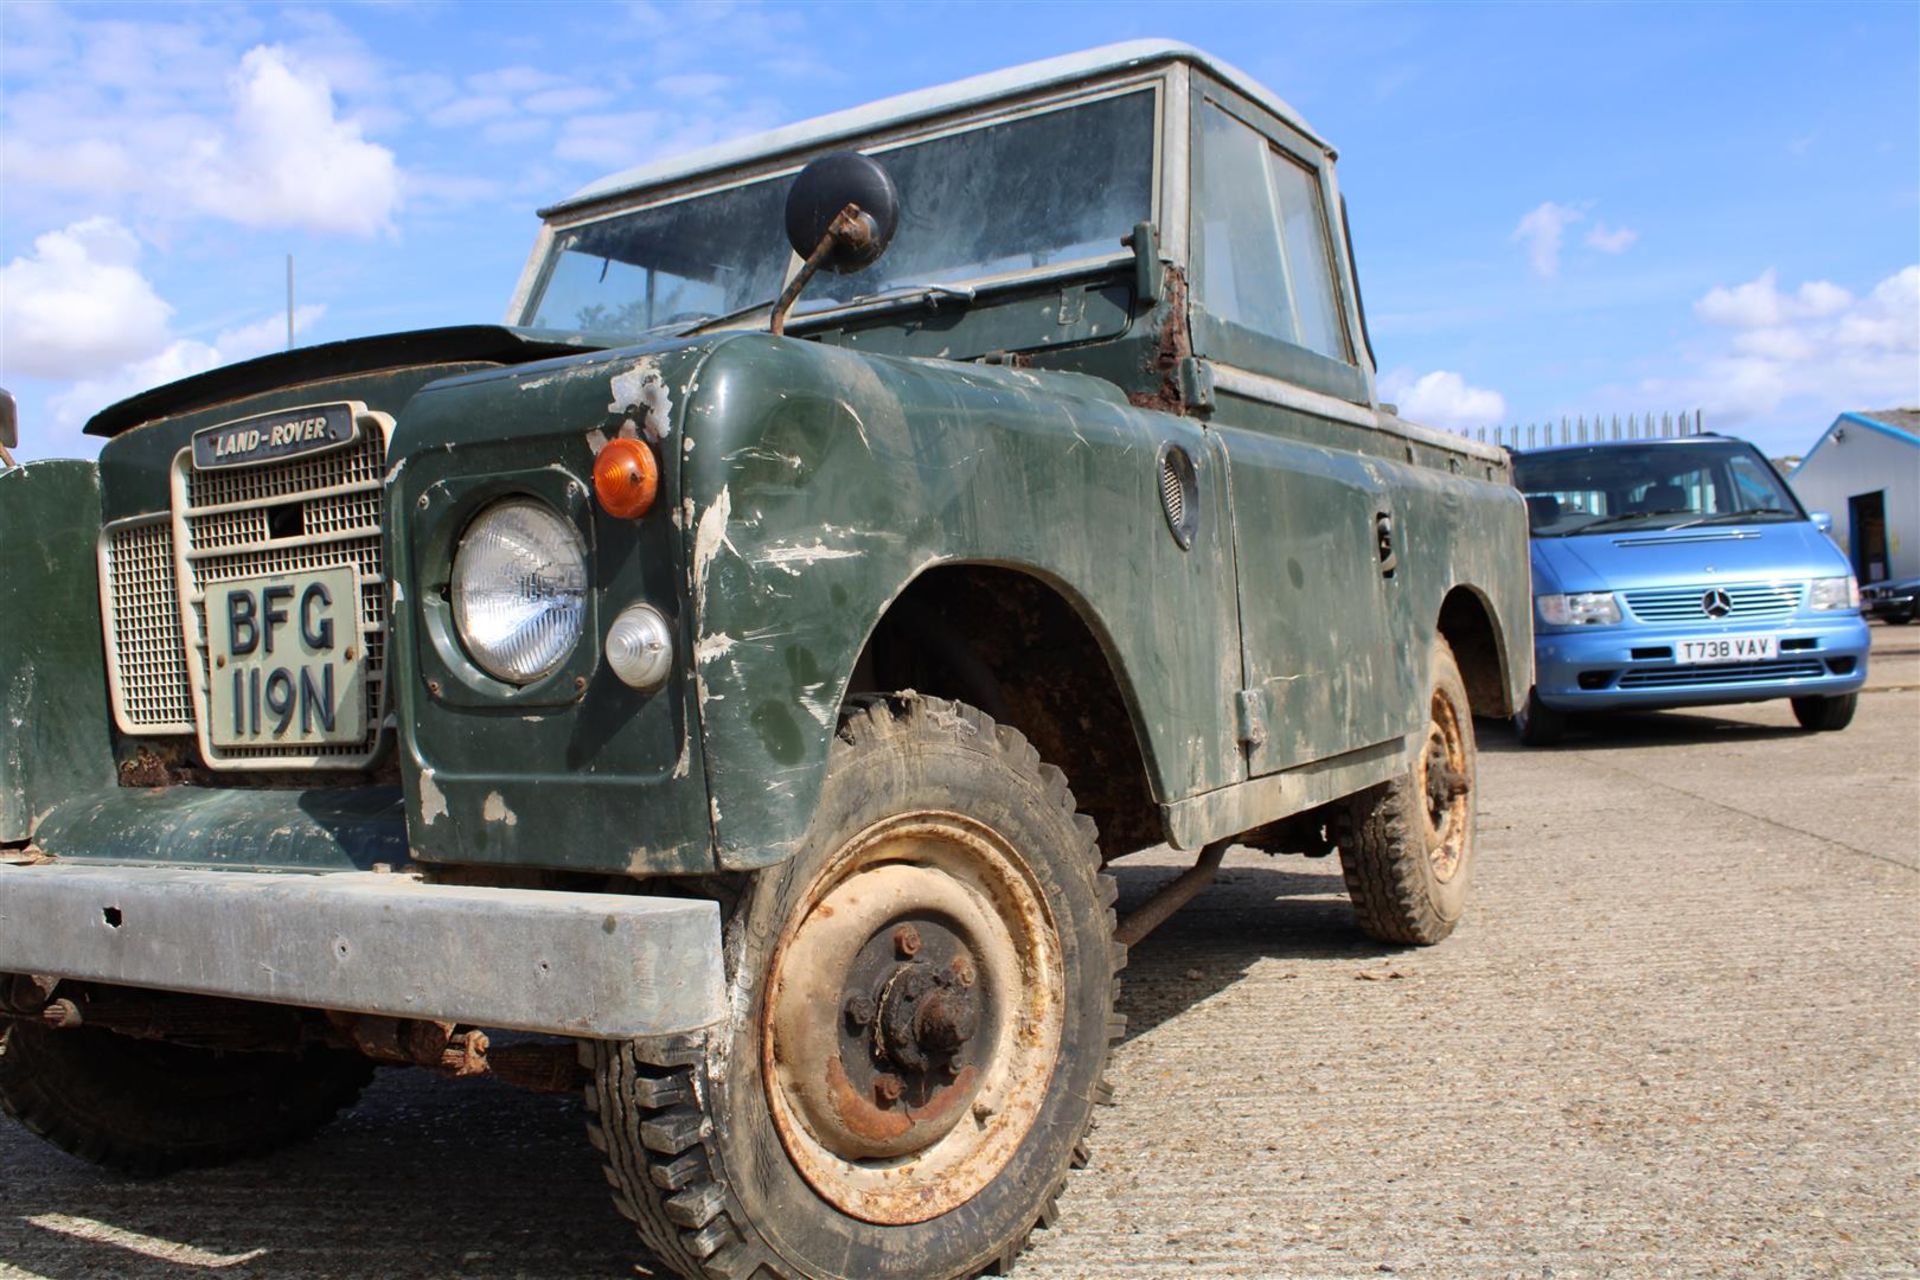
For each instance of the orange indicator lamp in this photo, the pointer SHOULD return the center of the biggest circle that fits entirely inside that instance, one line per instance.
(625, 478)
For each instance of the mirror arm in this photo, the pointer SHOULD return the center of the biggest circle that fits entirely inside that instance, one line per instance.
(853, 227)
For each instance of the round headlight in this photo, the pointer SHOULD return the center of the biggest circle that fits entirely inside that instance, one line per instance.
(520, 590)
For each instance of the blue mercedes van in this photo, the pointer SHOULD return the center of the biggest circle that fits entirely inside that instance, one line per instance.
(1682, 572)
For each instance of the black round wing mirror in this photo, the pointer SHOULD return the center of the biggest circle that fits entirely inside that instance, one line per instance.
(821, 193)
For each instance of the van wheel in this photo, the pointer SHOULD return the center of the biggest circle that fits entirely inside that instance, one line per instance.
(1538, 724)
(1825, 714)
(1406, 847)
(146, 1107)
(921, 1013)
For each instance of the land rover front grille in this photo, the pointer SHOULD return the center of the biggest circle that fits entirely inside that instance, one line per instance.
(1735, 602)
(141, 607)
(319, 511)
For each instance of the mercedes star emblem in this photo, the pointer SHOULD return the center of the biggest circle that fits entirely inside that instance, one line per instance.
(1716, 603)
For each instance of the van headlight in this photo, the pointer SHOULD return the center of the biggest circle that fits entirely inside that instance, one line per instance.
(520, 589)
(1582, 608)
(1834, 593)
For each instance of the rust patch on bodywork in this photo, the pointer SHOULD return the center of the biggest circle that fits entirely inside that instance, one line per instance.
(1174, 346)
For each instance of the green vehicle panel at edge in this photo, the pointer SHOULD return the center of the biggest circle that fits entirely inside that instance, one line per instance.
(752, 694)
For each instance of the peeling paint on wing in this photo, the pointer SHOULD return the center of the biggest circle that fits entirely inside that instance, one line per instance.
(641, 389)
(708, 537)
(495, 810)
(433, 804)
(393, 472)
(713, 646)
(684, 765)
(821, 709)
(786, 557)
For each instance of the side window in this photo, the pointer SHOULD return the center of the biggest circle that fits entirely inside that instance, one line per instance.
(1265, 261)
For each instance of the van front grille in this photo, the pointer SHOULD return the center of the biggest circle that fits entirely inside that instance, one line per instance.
(1728, 602)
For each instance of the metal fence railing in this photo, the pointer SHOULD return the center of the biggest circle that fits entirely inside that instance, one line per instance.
(1584, 430)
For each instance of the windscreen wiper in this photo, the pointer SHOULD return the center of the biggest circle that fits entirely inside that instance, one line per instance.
(901, 293)
(1604, 521)
(1725, 516)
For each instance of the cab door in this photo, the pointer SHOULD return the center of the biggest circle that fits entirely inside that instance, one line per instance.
(1313, 524)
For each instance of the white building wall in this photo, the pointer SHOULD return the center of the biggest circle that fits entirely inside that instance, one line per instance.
(1860, 461)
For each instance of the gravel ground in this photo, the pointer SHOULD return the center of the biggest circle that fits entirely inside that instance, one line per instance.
(1675, 1037)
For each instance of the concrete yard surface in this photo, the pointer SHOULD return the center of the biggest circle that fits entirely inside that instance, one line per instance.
(1676, 1036)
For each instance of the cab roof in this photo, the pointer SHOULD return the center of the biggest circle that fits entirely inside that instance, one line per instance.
(926, 103)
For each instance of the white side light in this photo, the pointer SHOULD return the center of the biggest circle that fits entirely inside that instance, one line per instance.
(640, 647)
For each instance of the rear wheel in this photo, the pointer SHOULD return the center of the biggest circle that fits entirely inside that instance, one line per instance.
(1823, 714)
(1406, 849)
(147, 1107)
(923, 1006)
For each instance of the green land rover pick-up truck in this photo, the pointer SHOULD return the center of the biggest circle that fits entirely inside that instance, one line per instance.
(721, 687)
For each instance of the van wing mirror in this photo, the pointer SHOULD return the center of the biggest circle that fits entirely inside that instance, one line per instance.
(1822, 520)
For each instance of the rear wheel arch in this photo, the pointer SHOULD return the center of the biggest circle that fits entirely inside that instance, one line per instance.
(1471, 628)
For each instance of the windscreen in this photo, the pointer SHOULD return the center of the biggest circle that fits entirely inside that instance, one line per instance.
(1650, 486)
(1051, 188)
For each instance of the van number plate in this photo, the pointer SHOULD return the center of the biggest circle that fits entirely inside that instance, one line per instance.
(288, 660)
(1727, 649)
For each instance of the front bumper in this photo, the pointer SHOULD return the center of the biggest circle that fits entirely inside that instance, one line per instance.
(595, 965)
(1627, 666)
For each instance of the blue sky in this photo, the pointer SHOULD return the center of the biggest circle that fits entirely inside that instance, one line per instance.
(1557, 209)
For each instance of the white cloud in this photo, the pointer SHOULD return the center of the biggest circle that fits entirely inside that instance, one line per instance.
(555, 102)
(1611, 239)
(1442, 399)
(471, 110)
(150, 120)
(692, 85)
(1818, 346)
(78, 305)
(1759, 302)
(180, 358)
(289, 161)
(1543, 231)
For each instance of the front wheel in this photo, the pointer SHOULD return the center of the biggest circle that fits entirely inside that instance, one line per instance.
(1825, 714)
(921, 1015)
(1406, 848)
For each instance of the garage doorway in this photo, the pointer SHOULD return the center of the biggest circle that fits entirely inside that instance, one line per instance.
(1867, 532)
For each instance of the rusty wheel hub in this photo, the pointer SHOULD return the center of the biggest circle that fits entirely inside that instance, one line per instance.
(912, 1019)
(1446, 787)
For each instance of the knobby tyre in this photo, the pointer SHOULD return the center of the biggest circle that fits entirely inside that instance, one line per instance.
(923, 1123)
(1406, 846)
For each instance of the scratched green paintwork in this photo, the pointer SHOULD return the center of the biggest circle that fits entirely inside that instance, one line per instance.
(53, 683)
(602, 778)
(274, 829)
(826, 482)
